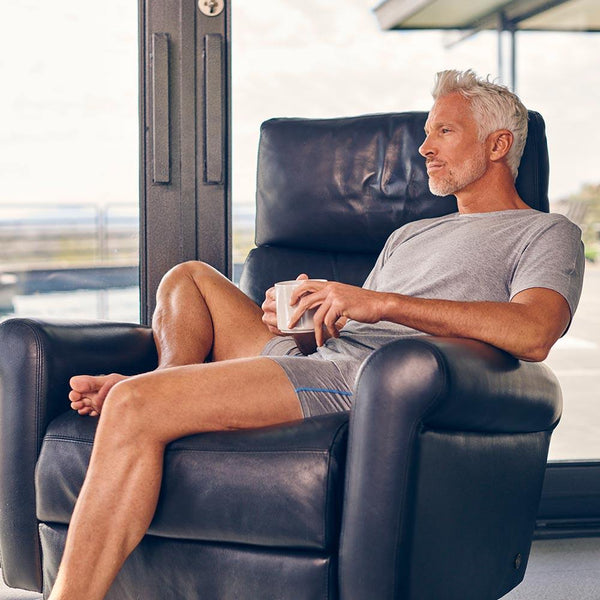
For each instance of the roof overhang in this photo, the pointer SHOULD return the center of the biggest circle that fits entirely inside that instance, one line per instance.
(515, 15)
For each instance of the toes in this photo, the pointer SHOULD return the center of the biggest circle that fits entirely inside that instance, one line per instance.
(75, 396)
(83, 410)
(85, 383)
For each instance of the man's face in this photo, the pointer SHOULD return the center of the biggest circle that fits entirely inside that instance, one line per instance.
(454, 155)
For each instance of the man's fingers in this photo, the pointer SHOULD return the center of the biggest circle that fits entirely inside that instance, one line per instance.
(305, 289)
(305, 302)
(326, 317)
(330, 321)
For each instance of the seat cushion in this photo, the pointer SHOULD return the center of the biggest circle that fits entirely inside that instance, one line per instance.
(278, 486)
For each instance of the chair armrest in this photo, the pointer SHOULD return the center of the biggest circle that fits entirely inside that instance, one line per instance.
(404, 389)
(37, 359)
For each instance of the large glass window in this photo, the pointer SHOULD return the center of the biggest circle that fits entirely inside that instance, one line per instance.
(315, 59)
(69, 160)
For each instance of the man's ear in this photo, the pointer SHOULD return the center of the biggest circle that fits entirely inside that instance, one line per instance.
(500, 143)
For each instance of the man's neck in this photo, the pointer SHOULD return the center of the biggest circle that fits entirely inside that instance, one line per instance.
(490, 194)
(478, 205)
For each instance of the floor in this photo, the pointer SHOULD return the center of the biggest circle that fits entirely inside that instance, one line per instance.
(561, 570)
(557, 570)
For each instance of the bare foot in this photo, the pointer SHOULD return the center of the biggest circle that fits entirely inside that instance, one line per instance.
(88, 392)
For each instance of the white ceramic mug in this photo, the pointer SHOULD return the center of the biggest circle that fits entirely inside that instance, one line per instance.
(283, 293)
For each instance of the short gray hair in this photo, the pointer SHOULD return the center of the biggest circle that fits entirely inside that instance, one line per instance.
(494, 107)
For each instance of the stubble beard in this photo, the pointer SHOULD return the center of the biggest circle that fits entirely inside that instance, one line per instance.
(457, 179)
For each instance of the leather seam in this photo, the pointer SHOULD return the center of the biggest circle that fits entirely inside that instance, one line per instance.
(248, 452)
(74, 440)
(39, 379)
(328, 498)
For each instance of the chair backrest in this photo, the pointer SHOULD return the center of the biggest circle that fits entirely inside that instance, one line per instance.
(330, 192)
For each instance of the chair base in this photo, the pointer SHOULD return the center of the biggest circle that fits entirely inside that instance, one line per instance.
(167, 569)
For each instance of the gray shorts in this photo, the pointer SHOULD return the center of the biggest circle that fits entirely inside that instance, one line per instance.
(319, 384)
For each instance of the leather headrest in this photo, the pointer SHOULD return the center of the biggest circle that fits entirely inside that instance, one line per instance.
(345, 184)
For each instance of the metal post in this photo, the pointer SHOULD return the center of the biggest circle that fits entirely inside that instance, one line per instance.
(513, 58)
(500, 30)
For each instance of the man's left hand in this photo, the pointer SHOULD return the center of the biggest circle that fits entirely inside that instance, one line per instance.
(335, 304)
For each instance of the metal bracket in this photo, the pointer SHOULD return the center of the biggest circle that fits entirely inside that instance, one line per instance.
(211, 8)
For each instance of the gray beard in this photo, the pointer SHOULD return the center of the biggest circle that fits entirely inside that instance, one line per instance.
(470, 171)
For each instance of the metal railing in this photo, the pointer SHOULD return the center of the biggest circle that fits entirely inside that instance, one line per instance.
(66, 247)
(41, 236)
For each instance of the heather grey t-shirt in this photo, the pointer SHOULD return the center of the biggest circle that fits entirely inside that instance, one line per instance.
(465, 257)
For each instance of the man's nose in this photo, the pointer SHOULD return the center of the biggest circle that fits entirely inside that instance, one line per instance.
(425, 148)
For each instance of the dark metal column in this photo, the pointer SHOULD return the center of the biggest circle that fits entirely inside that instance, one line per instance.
(185, 208)
(506, 25)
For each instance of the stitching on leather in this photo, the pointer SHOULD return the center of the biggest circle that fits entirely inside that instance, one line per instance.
(39, 379)
(247, 453)
(328, 500)
(53, 437)
(63, 438)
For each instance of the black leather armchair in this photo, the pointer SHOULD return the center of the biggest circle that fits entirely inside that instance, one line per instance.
(427, 490)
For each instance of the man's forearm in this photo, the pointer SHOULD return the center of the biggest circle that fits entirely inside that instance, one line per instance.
(526, 327)
(521, 329)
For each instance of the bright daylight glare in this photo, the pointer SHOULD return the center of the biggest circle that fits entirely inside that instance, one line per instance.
(69, 145)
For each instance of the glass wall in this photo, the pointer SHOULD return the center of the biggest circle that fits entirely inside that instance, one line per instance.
(69, 160)
(315, 59)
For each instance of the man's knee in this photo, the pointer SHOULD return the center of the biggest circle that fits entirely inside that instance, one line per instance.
(125, 409)
(191, 271)
(186, 270)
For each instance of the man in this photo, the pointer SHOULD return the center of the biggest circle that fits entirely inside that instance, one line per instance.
(430, 278)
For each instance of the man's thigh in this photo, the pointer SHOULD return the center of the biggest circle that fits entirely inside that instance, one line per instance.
(238, 330)
(233, 394)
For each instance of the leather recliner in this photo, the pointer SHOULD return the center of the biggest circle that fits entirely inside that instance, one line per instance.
(427, 490)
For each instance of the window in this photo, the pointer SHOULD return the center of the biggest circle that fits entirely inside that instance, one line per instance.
(549, 84)
(331, 59)
(69, 161)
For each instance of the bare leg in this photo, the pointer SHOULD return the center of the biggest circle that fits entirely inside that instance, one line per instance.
(141, 415)
(199, 314)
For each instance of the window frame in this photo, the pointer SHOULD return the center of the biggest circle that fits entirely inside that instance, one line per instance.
(198, 208)
(185, 141)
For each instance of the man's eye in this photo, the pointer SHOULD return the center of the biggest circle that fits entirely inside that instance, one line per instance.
(445, 130)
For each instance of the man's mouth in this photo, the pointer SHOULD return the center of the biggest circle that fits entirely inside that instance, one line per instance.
(434, 166)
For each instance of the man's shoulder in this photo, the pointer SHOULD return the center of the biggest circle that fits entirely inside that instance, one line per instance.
(549, 220)
(423, 224)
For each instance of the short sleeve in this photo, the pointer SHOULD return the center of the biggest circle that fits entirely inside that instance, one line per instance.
(553, 259)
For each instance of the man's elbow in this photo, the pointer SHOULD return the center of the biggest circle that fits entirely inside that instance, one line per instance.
(534, 355)
(538, 350)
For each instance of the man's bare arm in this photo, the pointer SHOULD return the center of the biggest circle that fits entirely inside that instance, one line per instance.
(527, 327)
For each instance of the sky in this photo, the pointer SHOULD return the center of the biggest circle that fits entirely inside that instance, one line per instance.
(69, 103)
(323, 59)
